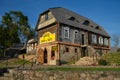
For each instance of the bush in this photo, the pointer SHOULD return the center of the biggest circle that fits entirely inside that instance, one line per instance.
(112, 58)
(118, 50)
(102, 62)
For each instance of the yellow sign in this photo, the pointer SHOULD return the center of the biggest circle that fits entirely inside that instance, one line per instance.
(47, 37)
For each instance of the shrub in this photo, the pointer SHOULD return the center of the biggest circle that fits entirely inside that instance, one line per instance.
(102, 62)
(118, 50)
(112, 58)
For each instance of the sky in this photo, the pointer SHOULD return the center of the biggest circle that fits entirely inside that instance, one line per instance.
(103, 12)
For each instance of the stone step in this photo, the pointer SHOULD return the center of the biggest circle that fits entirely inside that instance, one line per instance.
(7, 74)
(86, 61)
(5, 78)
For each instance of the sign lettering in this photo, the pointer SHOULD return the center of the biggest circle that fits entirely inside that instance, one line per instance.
(47, 37)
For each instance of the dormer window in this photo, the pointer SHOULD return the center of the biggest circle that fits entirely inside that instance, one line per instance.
(86, 22)
(72, 18)
(92, 26)
(97, 27)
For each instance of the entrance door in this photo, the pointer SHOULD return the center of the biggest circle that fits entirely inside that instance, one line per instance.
(84, 52)
(45, 55)
(83, 41)
(40, 56)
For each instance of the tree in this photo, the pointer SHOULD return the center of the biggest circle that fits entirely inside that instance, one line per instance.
(1, 35)
(15, 28)
(116, 40)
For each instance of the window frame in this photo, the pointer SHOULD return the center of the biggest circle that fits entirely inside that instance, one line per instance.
(106, 42)
(101, 40)
(75, 34)
(46, 16)
(94, 39)
(86, 22)
(66, 32)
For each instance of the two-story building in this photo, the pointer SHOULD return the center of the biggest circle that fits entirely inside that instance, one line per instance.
(63, 35)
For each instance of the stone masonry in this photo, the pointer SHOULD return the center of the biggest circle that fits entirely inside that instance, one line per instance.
(64, 75)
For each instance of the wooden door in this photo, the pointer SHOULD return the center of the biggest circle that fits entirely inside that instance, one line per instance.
(45, 55)
(40, 56)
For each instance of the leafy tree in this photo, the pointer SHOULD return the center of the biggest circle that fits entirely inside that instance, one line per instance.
(1, 35)
(14, 28)
(116, 40)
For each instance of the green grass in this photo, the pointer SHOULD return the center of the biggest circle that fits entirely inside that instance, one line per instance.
(20, 62)
(78, 69)
(2, 66)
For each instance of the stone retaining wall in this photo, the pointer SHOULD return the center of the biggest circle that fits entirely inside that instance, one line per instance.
(64, 75)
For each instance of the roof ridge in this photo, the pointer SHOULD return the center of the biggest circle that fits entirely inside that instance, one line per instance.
(55, 7)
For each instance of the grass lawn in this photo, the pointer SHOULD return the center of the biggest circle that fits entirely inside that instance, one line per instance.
(78, 69)
(13, 62)
(20, 62)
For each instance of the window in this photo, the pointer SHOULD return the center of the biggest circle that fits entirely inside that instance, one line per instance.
(67, 49)
(33, 46)
(86, 22)
(92, 26)
(76, 34)
(52, 55)
(42, 18)
(46, 16)
(50, 15)
(66, 32)
(72, 18)
(98, 28)
(101, 40)
(94, 39)
(106, 41)
(75, 50)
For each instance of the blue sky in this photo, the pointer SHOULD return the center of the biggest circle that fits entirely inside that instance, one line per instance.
(104, 12)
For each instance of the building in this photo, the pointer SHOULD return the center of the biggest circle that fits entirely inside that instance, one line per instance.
(64, 35)
(15, 50)
(31, 46)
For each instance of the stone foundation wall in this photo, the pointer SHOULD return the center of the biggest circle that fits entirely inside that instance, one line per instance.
(66, 56)
(26, 56)
(65, 75)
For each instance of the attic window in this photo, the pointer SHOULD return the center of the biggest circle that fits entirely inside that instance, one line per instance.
(97, 27)
(46, 16)
(92, 26)
(86, 22)
(72, 18)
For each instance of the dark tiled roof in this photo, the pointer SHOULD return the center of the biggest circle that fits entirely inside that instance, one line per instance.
(63, 15)
(16, 46)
